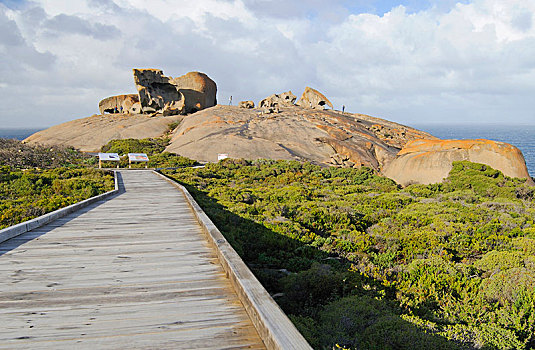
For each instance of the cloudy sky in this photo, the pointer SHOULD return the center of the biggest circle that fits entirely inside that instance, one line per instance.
(413, 61)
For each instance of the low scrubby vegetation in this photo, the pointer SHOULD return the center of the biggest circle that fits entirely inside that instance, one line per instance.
(358, 262)
(35, 180)
(19, 155)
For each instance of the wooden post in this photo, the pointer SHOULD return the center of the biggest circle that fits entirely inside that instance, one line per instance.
(99, 163)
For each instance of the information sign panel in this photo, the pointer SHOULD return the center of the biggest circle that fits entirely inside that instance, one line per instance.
(109, 156)
(222, 156)
(138, 157)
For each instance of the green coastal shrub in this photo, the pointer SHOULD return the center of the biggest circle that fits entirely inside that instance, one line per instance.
(495, 261)
(358, 262)
(149, 146)
(18, 155)
(505, 285)
(28, 194)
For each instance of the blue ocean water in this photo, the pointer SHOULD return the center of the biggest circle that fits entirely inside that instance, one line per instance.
(19, 134)
(521, 136)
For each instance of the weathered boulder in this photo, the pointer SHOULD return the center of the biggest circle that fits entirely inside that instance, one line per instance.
(286, 99)
(198, 89)
(154, 89)
(312, 98)
(320, 136)
(189, 93)
(120, 104)
(246, 104)
(430, 161)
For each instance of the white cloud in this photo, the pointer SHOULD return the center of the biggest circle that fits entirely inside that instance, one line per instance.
(470, 62)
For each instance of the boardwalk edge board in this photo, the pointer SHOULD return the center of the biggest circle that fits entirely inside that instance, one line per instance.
(23, 227)
(272, 324)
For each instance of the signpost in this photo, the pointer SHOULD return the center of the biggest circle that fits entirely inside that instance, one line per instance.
(137, 157)
(112, 157)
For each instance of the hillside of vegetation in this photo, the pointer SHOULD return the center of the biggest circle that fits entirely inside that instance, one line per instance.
(358, 262)
(35, 180)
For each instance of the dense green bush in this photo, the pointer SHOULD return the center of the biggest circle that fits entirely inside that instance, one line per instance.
(359, 262)
(16, 154)
(31, 193)
(124, 146)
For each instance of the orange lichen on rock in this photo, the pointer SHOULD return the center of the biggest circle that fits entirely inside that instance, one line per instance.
(334, 132)
(443, 145)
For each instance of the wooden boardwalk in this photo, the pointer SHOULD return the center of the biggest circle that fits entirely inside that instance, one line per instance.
(132, 272)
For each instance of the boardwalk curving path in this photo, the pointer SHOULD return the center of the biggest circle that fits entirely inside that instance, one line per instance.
(131, 272)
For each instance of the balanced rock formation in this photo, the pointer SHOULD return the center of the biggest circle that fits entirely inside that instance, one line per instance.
(158, 93)
(186, 94)
(155, 91)
(90, 134)
(323, 137)
(198, 89)
(286, 99)
(312, 98)
(120, 104)
(430, 161)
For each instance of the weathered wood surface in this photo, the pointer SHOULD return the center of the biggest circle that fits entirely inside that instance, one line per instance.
(134, 271)
(274, 327)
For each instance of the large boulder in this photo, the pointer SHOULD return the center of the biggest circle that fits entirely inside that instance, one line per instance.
(321, 136)
(286, 99)
(120, 104)
(154, 89)
(189, 93)
(312, 98)
(430, 161)
(198, 89)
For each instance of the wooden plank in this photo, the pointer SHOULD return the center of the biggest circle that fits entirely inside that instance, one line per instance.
(134, 271)
(276, 330)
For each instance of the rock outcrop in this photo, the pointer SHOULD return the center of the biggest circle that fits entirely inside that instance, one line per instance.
(279, 129)
(89, 134)
(158, 93)
(246, 104)
(120, 104)
(312, 98)
(286, 99)
(321, 136)
(430, 161)
(198, 90)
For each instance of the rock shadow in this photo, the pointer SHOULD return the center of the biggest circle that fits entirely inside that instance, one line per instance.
(312, 287)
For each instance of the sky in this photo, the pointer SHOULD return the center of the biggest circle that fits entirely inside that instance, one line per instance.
(413, 61)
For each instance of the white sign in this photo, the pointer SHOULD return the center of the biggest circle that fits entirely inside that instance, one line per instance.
(109, 156)
(222, 156)
(138, 157)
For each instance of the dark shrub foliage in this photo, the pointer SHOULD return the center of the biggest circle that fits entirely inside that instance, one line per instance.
(359, 263)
